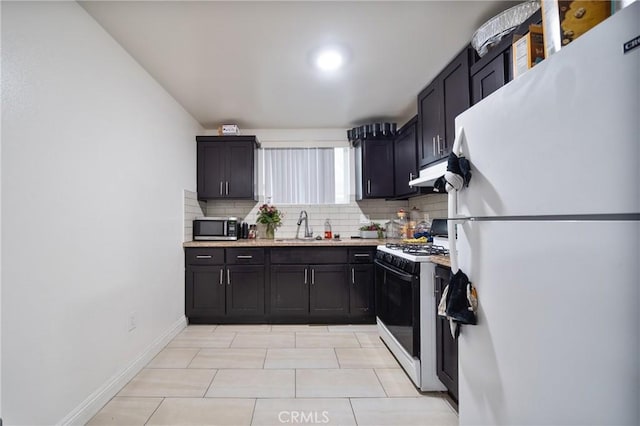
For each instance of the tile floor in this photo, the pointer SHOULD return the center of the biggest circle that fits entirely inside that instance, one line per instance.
(274, 375)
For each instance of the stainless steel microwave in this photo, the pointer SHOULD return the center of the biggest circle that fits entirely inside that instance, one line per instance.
(215, 228)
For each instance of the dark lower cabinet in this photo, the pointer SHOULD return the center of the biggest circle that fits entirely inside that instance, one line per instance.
(224, 292)
(245, 290)
(322, 284)
(361, 284)
(446, 345)
(205, 289)
(309, 292)
(281, 285)
(361, 291)
(329, 291)
(289, 291)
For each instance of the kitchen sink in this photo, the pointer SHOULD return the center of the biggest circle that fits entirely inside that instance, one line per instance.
(296, 240)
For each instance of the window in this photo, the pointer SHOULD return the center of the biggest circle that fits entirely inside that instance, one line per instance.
(306, 175)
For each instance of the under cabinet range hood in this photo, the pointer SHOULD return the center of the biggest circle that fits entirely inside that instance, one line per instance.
(429, 175)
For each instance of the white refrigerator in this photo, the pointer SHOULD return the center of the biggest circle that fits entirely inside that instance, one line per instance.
(551, 239)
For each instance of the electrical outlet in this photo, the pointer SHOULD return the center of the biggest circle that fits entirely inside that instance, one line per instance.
(133, 321)
(364, 220)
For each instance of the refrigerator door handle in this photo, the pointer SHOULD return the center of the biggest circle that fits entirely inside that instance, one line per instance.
(452, 207)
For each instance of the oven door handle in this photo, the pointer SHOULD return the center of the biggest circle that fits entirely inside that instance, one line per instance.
(397, 272)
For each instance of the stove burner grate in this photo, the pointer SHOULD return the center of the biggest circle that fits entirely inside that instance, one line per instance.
(419, 249)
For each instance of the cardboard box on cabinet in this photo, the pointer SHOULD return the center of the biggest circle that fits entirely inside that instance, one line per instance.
(527, 50)
(565, 21)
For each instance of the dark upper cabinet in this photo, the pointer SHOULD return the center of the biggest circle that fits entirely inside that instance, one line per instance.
(226, 167)
(428, 123)
(438, 105)
(374, 168)
(490, 78)
(494, 69)
(446, 345)
(405, 159)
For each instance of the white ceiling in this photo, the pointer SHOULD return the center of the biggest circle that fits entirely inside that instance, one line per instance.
(248, 62)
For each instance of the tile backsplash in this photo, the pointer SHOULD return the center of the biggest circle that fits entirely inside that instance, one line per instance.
(434, 204)
(345, 218)
(192, 209)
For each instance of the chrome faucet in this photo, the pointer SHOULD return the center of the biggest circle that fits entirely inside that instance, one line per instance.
(305, 217)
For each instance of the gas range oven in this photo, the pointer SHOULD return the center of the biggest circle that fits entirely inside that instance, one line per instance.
(406, 308)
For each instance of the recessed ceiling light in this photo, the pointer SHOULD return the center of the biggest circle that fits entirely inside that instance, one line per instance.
(329, 59)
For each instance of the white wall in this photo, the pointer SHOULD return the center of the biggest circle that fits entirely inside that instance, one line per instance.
(95, 158)
(0, 237)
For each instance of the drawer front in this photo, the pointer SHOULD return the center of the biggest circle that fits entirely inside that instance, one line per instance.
(306, 255)
(362, 255)
(245, 256)
(204, 256)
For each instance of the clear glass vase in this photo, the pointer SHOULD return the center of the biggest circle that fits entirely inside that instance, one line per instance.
(270, 231)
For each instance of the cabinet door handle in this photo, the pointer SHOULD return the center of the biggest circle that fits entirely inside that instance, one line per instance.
(221, 276)
(361, 255)
(353, 276)
(368, 186)
(228, 277)
(313, 276)
(220, 187)
(202, 256)
(244, 257)
(435, 287)
(410, 176)
(441, 146)
(227, 187)
(305, 275)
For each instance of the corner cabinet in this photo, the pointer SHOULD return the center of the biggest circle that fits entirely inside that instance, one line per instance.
(227, 167)
(438, 105)
(405, 159)
(374, 168)
(446, 345)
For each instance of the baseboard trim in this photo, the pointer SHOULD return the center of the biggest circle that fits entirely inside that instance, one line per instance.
(90, 406)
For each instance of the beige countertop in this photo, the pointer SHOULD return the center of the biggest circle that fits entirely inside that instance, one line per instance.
(441, 260)
(290, 242)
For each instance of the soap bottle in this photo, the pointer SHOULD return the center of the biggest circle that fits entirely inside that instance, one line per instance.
(327, 230)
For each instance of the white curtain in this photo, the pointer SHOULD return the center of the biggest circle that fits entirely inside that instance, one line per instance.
(300, 175)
